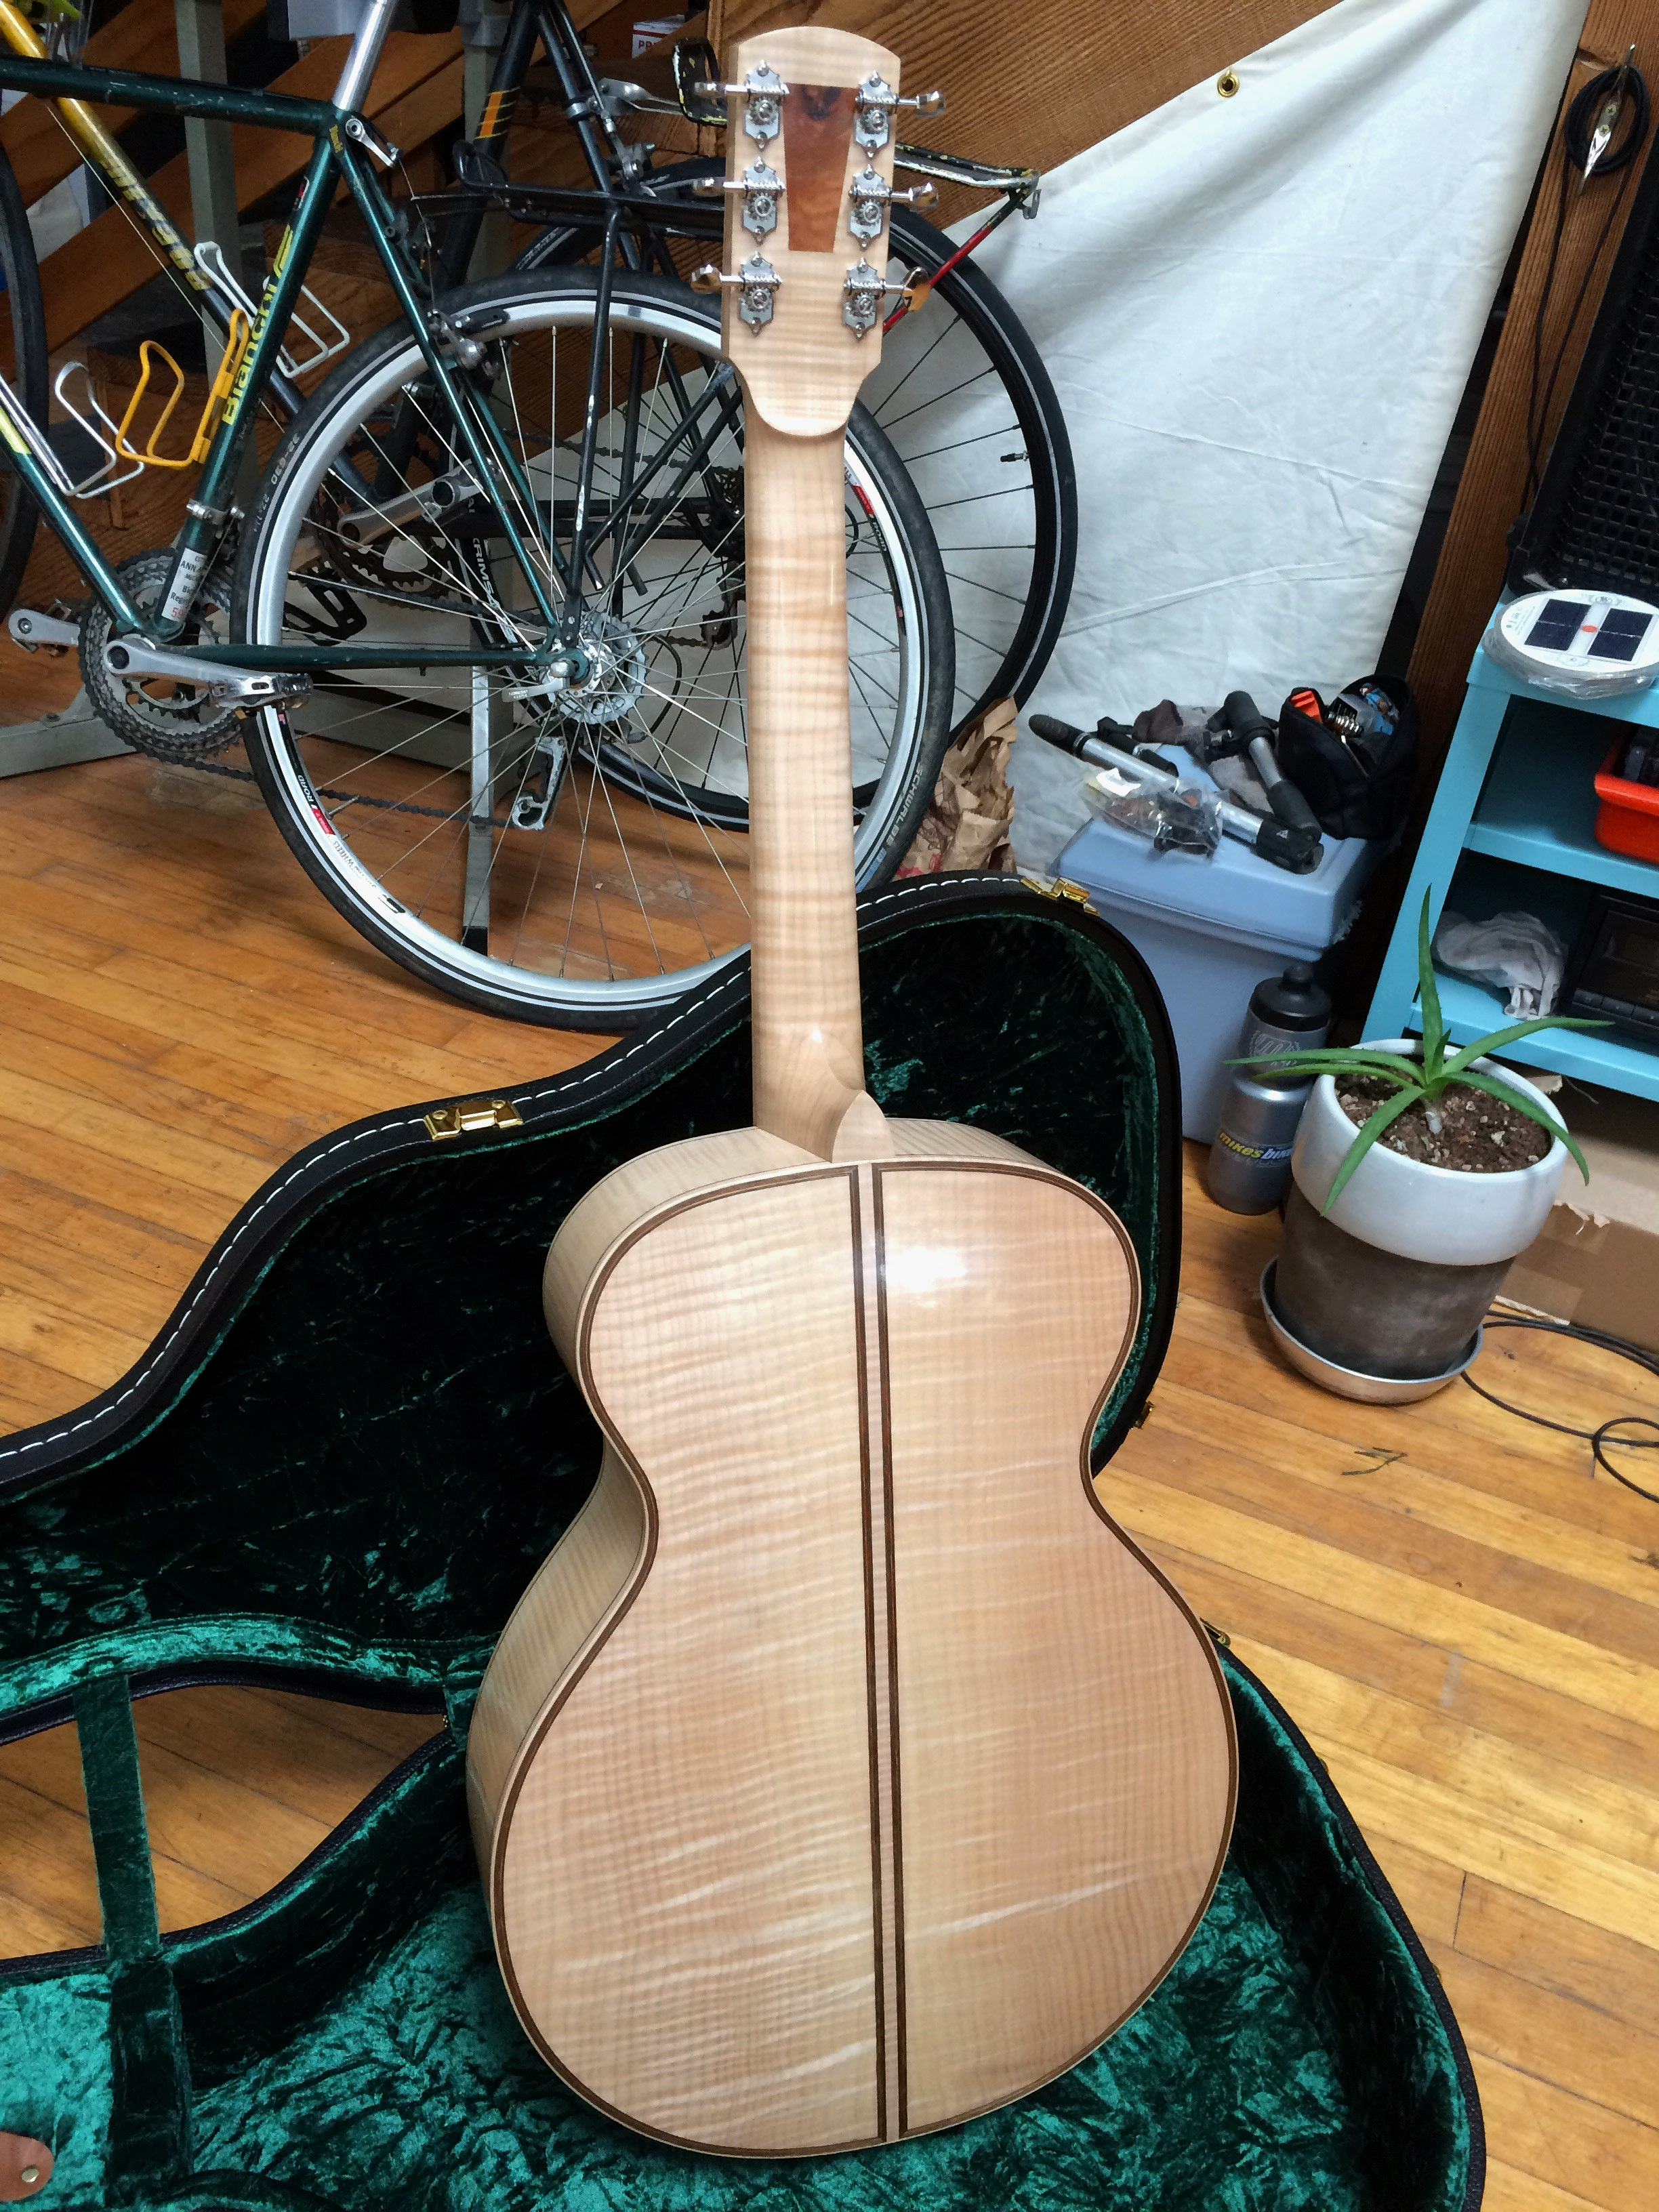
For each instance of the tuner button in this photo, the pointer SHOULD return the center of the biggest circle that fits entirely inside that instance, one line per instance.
(707, 278)
(925, 103)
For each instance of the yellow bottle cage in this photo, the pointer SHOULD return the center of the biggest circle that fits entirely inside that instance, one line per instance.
(230, 361)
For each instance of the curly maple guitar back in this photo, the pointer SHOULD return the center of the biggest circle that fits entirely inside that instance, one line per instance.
(845, 1771)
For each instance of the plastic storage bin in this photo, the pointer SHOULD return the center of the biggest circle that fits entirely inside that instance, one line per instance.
(1209, 930)
(1627, 819)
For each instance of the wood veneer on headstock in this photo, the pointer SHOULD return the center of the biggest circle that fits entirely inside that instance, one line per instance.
(845, 1771)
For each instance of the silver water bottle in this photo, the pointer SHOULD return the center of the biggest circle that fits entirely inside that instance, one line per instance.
(1250, 1159)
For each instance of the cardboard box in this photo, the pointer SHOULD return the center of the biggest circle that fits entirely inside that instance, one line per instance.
(1596, 1260)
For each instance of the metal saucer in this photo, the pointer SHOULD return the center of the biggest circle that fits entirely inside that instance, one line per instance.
(1348, 1381)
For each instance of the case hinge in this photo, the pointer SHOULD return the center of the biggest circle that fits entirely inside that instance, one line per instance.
(469, 1114)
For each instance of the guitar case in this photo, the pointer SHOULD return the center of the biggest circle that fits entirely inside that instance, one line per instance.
(336, 1470)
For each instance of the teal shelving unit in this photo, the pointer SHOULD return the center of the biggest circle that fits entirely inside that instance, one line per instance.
(1512, 825)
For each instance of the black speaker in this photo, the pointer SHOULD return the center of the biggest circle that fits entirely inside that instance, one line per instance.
(1594, 524)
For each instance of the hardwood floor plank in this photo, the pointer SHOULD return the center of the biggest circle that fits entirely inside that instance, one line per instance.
(1429, 1891)
(1386, 1658)
(1417, 1486)
(1554, 1952)
(1555, 1796)
(1167, 1515)
(1511, 1853)
(70, 1345)
(45, 1845)
(1581, 2149)
(1603, 2061)
(1508, 2189)
(1511, 1461)
(293, 1750)
(73, 1226)
(204, 1165)
(26, 1932)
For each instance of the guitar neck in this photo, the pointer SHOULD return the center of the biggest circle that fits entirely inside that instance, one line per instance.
(809, 1038)
(797, 137)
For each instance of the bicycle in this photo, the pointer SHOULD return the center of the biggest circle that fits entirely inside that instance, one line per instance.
(955, 390)
(649, 875)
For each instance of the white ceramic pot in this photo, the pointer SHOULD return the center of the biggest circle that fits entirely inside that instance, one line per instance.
(1447, 1216)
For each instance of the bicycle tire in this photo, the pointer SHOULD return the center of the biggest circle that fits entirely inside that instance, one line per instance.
(23, 357)
(1008, 661)
(310, 799)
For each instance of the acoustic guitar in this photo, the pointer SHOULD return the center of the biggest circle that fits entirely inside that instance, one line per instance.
(845, 1771)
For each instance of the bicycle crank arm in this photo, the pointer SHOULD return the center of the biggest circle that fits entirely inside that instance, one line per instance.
(226, 685)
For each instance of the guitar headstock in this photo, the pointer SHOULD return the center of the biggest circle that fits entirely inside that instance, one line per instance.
(811, 119)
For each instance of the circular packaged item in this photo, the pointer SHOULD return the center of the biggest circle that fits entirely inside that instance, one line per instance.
(1580, 644)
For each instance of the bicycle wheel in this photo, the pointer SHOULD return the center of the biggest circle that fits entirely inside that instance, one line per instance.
(963, 396)
(23, 365)
(579, 858)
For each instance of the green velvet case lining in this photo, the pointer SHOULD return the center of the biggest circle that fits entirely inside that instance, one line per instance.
(346, 1456)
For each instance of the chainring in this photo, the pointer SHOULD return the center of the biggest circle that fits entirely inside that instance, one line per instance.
(160, 716)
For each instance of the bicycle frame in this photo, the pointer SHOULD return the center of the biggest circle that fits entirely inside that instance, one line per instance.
(621, 205)
(344, 145)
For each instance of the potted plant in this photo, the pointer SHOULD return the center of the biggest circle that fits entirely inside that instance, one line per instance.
(1418, 1174)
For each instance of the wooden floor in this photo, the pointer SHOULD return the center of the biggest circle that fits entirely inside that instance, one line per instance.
(1465, 1622)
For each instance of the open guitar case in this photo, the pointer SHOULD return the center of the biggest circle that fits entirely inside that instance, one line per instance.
(336, 1470)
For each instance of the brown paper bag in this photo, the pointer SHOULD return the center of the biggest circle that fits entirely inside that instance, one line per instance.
(966, 825)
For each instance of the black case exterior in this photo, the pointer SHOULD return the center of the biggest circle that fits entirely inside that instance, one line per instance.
(337, 1469)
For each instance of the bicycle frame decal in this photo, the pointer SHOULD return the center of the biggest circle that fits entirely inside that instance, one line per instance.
(255, 346)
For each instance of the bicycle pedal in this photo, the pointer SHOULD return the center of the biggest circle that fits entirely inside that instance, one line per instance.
(258, 688)
(33, 631)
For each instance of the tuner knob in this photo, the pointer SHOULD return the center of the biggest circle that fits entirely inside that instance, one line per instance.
(877, 99)
(762, 91)
(755, 279)
(761, 186)
(871, 194)
(866, 288)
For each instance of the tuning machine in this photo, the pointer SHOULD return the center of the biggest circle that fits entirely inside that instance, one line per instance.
(871, 195)
(757, 280)
(865, 290)
(762, 91)
(760, 184)
(876, 100)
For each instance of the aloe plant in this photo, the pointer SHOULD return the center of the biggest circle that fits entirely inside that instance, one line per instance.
(1429, 1078)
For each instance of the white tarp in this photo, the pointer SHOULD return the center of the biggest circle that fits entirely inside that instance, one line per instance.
(1260, 313)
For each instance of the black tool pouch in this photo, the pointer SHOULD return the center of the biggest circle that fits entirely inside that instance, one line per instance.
(1361, 789)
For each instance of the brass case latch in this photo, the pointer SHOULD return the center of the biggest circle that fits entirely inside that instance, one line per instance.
(469, 1114)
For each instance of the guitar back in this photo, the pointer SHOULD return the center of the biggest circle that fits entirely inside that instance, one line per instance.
(845, 1771)
(895, 1775)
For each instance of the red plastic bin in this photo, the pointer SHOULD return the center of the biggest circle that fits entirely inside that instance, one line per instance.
(1627, 820)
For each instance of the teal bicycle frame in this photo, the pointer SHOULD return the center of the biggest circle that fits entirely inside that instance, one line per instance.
(346, 145)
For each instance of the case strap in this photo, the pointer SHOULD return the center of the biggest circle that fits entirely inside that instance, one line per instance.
(150, 2117)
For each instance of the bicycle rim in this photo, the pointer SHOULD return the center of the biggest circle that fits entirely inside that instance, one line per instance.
(411, 795)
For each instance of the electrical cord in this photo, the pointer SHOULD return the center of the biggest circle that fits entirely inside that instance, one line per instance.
(1596, 1438)
(1619, 155)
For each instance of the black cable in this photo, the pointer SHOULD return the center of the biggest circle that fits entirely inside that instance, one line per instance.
(1621, 152)
(1598, 1437)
